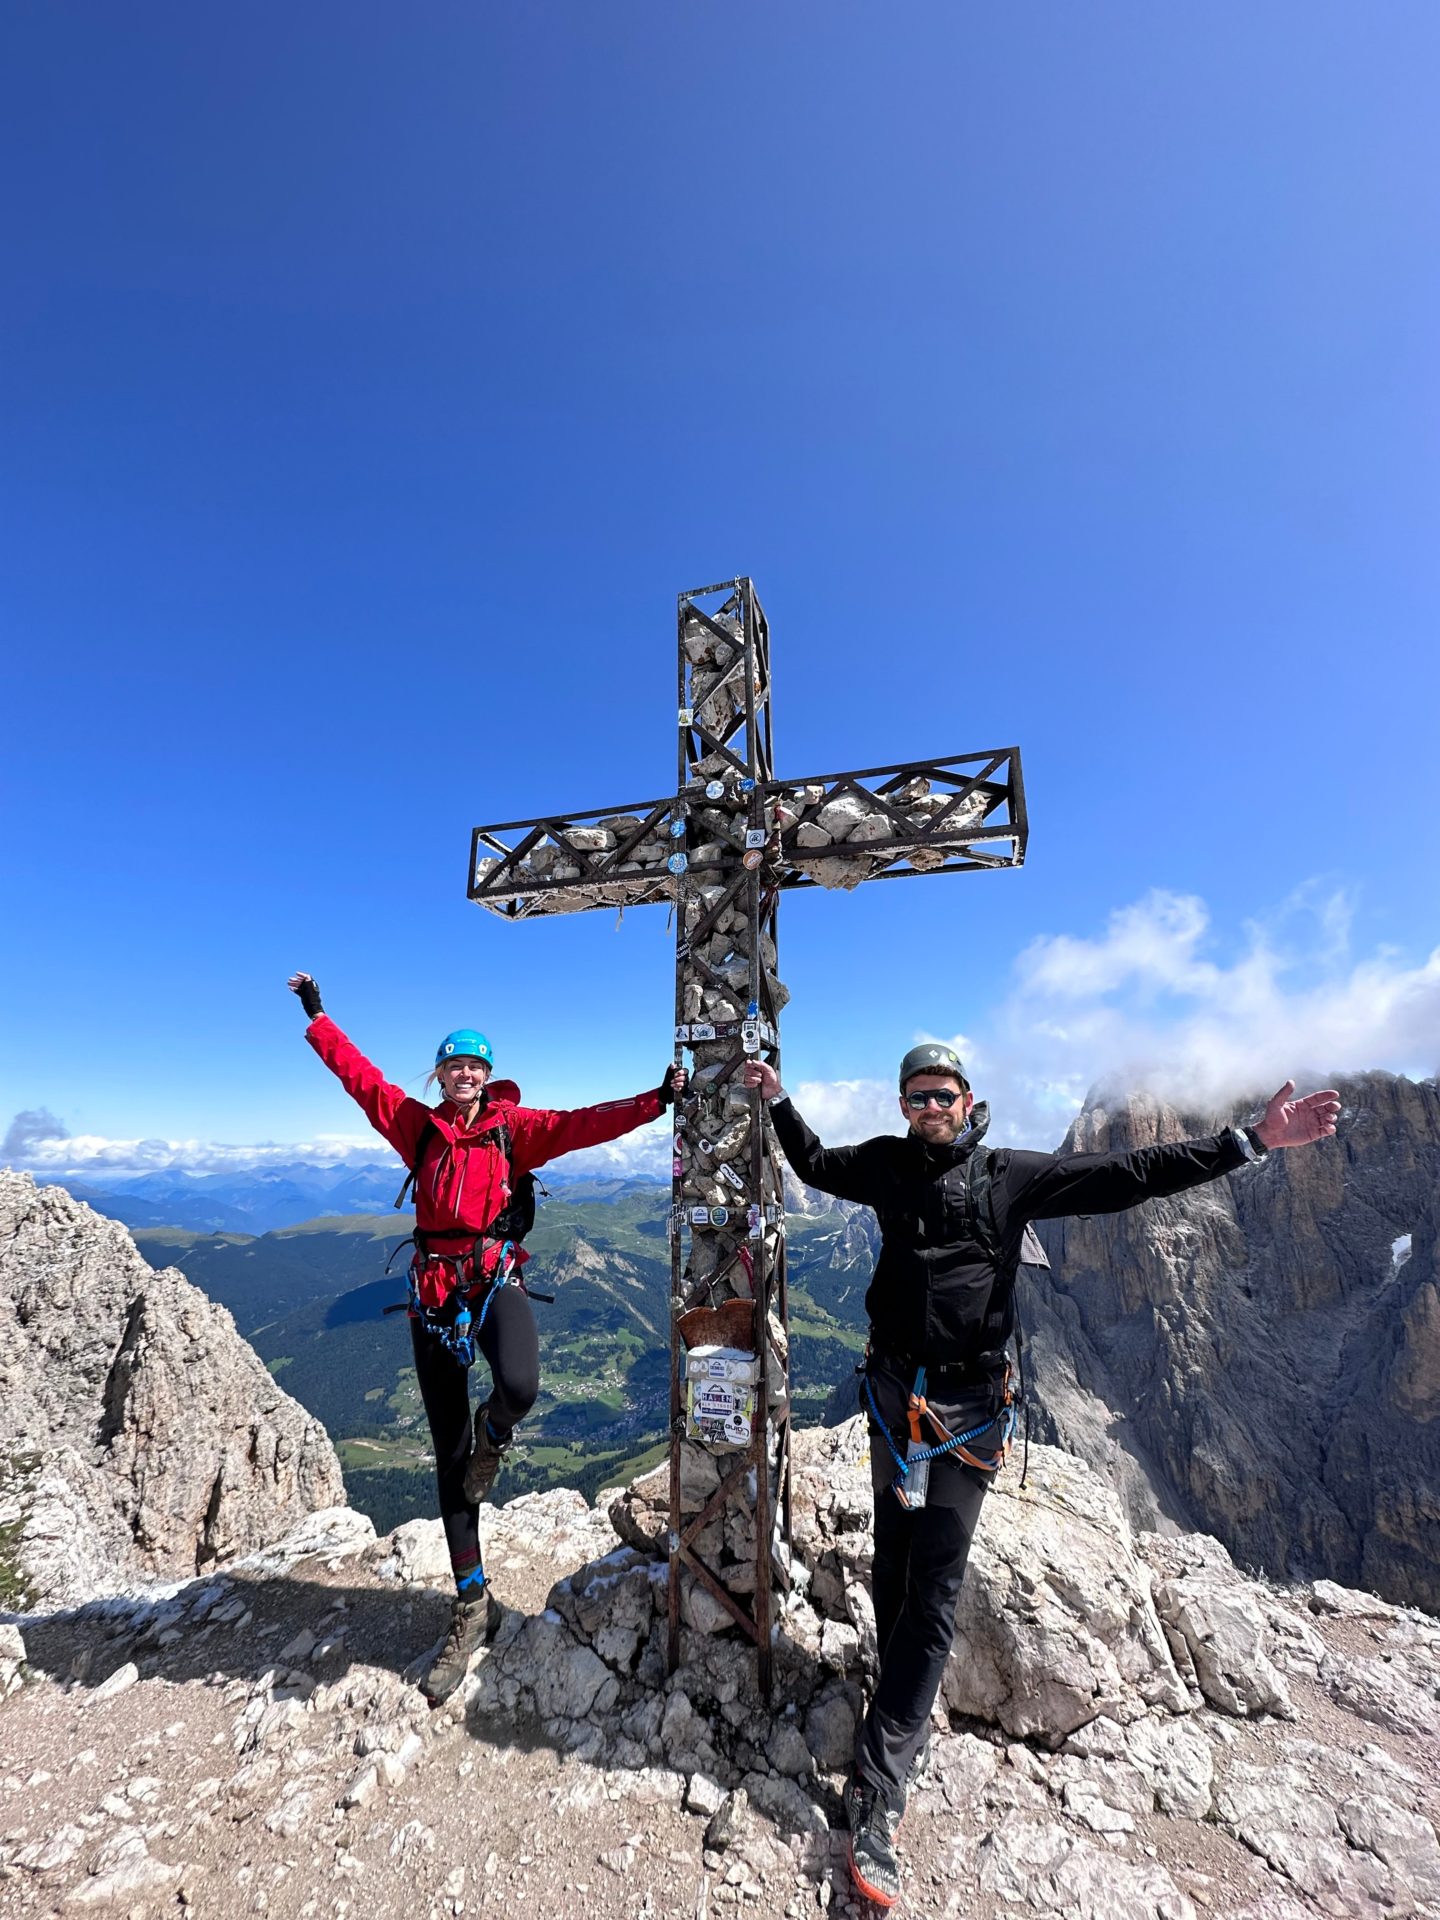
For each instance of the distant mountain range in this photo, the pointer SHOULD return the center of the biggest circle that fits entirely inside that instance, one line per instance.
(263, 1199)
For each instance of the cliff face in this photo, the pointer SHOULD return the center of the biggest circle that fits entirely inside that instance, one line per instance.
(143, 1435)
(1261, 1357)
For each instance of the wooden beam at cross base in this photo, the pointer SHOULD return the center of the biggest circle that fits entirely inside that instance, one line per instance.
(721, 849)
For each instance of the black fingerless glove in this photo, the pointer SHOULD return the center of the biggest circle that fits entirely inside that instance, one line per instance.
(665, 1092)
(310, 999)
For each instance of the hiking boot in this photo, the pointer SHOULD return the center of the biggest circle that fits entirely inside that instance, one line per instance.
(484, 1461)
(873, 1865)
(472, 1626)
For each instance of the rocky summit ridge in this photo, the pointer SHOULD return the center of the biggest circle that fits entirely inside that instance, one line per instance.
(1129, 1725)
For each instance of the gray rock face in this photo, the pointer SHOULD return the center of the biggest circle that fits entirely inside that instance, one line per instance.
(145, 1437)
(1260, 1358)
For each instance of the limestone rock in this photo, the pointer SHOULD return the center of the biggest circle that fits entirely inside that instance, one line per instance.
(834, 873)
(12, 1660)
(1376, 1691)
(842, 816)
(1219, 1634)
(151, 1438)
(830, 1731)
(1041, 1824)
(420, 1554)
(703, 1795)
(1038, 1867)
(125, 1869)
(1055, 1624)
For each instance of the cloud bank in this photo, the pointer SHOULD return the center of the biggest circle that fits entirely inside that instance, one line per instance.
(1148, 1002)
(94, 1156)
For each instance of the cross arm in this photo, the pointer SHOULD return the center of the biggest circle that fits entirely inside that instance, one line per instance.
(571, 863)
(960, 814)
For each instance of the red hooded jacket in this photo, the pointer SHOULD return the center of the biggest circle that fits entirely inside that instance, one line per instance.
(464, 1181)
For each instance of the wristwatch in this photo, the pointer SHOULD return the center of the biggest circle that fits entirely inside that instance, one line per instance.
(1250, 1143)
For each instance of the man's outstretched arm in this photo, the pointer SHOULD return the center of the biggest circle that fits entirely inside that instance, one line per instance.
(843, 1171)
(1047, 1186)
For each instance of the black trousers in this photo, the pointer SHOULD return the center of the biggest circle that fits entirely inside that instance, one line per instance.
(920, 1559)
(511, 1348)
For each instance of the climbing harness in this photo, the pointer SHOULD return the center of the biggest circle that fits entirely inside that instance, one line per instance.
(455, 1322)
(912, 1479)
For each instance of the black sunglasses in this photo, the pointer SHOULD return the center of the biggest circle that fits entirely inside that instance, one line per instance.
(940, 1095)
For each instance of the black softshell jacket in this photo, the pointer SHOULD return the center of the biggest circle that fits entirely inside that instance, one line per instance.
(930, 1300)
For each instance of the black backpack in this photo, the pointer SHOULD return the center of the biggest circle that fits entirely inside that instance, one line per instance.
(515, 1218)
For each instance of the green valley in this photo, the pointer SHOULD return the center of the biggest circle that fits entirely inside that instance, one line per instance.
(311, 1301)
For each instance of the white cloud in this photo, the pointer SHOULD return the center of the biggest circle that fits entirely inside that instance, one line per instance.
(92, 1154)
(647, 1151)
(848, 1109)
(35, 1125)
(93, 1157)
(1151, 1003)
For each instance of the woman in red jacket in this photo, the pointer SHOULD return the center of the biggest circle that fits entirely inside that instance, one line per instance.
(465, 1293)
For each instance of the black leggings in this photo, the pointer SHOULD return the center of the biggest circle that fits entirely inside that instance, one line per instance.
(511, 1348)
(920, 1561)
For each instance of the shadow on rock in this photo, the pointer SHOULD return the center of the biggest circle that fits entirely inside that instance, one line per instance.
(236, 1626)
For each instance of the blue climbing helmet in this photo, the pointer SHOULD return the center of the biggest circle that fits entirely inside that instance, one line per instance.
(464, 1044)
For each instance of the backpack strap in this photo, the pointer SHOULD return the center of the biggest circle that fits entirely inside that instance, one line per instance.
(1002, 1314)
(980, 1202)
(980, 1209)
(428, 1133)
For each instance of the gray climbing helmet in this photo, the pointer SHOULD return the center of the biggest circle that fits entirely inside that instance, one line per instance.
(932, 1058)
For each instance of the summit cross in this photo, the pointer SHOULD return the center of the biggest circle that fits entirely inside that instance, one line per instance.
(720, 850)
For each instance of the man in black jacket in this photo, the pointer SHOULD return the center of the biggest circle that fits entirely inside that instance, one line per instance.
(953, 1222)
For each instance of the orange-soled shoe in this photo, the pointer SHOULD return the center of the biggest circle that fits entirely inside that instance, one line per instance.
(874, 1867)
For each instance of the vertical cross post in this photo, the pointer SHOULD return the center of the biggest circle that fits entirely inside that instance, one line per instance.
(727, 1216)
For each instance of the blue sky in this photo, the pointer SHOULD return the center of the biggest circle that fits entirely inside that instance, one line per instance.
(373, 381)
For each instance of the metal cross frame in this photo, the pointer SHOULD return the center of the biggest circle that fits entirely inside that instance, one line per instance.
(721, 850)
